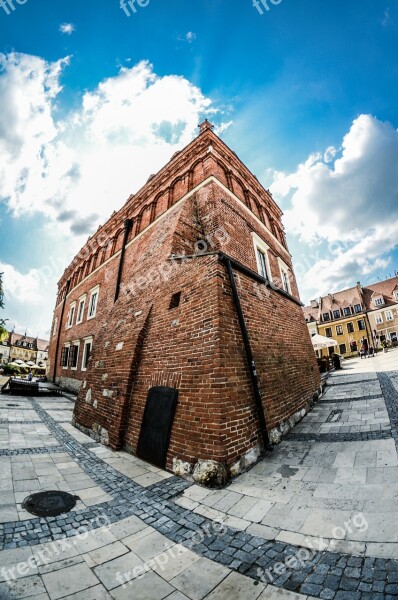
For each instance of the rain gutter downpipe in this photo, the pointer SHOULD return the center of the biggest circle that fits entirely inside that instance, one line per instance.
(249, 354)
(59, 330)
(128, 224)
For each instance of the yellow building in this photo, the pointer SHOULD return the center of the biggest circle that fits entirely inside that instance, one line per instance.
(342, 317)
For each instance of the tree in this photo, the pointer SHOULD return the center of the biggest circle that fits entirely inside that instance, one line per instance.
(3, 330)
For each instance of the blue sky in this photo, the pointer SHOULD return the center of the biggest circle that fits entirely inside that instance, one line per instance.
(305, 93)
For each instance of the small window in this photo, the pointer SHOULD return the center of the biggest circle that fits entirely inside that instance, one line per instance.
(343, 349)
(73, 355)
(353, 346)
(393, 337)
(92, 308)
(71, 315)
(262, 263)
(80, 310)
(88, 344)
(379, 301)
(347, 311)
(361, 325)
(65, 356)
(389, 315)
(379, 319)
(328, 332)
(396, 295)
(357, 308)
(350, 327)
(175, 300)
(285, 281)
(326, 317)
(339, 330)
(336, 314)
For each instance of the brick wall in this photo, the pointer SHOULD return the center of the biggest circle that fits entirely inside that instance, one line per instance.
(196, 347)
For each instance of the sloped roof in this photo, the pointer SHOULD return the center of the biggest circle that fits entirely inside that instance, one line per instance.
(384, 288)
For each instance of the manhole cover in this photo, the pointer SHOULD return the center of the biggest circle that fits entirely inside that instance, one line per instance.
(49, 504)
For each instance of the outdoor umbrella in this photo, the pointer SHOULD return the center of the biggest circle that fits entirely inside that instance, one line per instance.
(320, 341)
(30, 363)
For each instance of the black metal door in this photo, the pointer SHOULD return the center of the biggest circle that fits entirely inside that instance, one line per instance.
(156, 425)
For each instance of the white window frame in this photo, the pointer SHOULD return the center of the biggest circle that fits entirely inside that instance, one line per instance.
(379, 319)
(86, 342)
(67, 345)
(92, 292)
(55, 326)
(82, 302)
(71, 315)
(388, 315)
(284, 271)
(378, 301)
(75, 343)
(396, 295)
(260, 245)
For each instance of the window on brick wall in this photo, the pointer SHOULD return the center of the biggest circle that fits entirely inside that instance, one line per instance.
(261, 250)
(65, 356)
(88, 344)
(93, 303)
(80, 309)
(379, 319)
(175, 300)
(71, 316)
(389, 315)
(74, 355)
(285, 275)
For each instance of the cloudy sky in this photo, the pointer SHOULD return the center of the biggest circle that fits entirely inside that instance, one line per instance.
(95, 97)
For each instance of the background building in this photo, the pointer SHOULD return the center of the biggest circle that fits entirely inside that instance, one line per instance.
(382, 307)
(369, 312)
(26, 348)
(149, 302)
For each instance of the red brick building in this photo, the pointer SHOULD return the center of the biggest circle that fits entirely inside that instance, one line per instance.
(190, 286)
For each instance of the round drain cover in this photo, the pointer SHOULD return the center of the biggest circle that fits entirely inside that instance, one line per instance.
(49, 504)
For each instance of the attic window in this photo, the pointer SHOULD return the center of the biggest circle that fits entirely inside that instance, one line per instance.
(175, 300)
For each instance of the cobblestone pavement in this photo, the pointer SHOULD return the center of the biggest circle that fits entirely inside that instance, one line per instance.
(317, 518)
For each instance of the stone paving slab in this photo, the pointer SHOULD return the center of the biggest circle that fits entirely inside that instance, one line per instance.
(304, 486)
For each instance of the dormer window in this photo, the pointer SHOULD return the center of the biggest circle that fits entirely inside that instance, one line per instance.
(336, 314)
(396, 295)
(379, 301)
(347, 311)
(357, 308)
(326, 317)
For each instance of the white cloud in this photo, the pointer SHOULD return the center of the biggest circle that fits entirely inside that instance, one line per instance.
(22, 290)
(79, 169)
(76, 170)
(67, 28)
(190, 37)
(347, 200)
